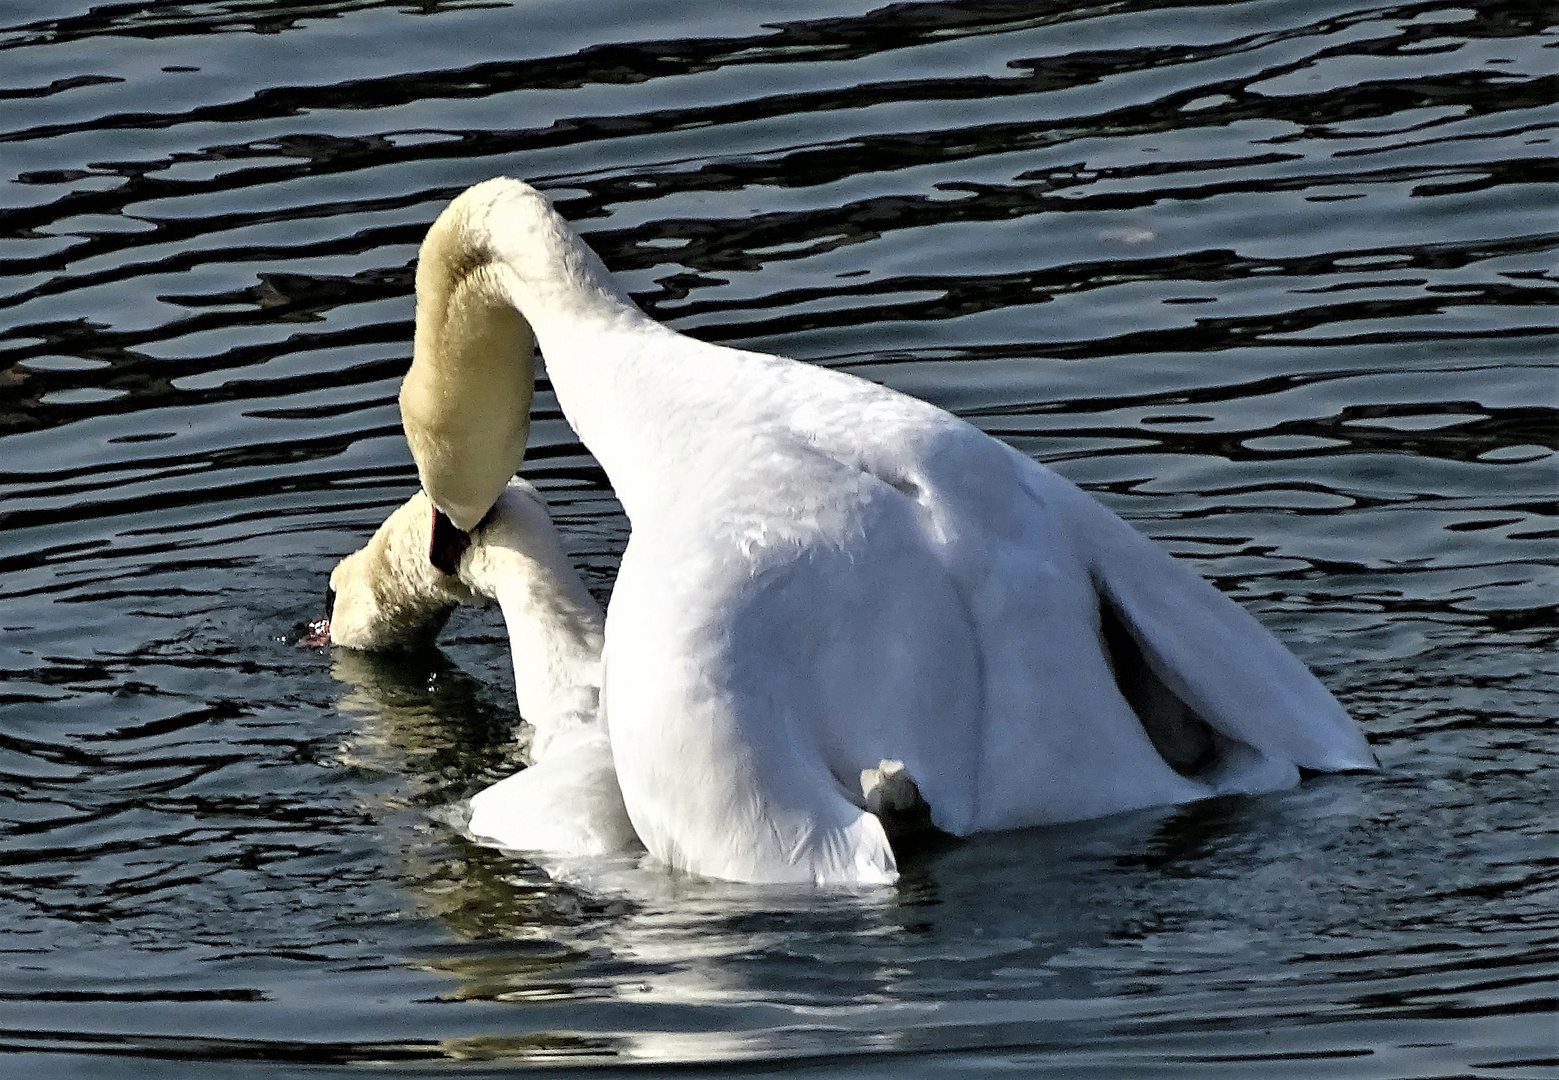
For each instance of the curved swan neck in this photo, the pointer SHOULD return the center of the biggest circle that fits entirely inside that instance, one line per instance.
(631, 388)
(465, 403)
(545, 270)
(499, 269)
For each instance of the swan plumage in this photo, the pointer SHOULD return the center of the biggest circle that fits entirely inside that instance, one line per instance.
(466, 446)
(824, 575)
(388, 596)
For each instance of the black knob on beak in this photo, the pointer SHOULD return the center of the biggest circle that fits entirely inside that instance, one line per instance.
(448, 544)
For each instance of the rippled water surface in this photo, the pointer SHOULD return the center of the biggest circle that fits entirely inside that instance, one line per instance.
(1276, 280)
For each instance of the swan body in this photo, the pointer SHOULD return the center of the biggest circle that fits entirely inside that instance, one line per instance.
(388, 596)
(825, 576)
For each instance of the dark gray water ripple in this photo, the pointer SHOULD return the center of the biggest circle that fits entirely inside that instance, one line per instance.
(1274, 280)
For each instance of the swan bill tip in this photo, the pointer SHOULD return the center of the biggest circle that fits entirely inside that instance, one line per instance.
(314, 634)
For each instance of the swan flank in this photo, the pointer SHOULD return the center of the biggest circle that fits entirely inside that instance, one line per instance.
(388, 596)
(826, 577)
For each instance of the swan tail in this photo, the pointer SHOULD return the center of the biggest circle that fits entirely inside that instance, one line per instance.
(1221, 698)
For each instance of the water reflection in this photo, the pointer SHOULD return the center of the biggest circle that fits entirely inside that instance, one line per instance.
(421, 716)
(1031, 921)
(1074, 937)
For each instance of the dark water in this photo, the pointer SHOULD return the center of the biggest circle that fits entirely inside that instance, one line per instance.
(1276, 280)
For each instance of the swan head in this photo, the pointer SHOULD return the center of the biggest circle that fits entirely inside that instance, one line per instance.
(387, 595)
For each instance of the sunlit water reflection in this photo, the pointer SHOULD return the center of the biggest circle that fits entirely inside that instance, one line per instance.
(1275, 280)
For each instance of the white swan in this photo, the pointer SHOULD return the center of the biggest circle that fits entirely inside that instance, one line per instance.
(824, 575)
(388, 596)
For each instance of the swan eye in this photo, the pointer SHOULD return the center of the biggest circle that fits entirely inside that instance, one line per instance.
(330, 599)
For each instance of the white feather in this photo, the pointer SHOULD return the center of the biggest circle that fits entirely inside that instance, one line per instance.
(824, 574)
